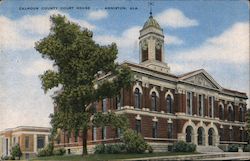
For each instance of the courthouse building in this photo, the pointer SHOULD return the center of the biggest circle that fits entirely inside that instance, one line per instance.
(164, 107)
(30, 140)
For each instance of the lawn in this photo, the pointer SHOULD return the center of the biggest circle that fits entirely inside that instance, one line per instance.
(106, 156)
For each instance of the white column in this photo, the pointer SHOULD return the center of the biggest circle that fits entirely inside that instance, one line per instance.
(35, 143)
(46, 140)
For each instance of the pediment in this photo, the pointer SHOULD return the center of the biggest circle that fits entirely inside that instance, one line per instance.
(200, 78)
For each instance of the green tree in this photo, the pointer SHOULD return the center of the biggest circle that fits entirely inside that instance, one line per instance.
(80, 64)
(16, 151)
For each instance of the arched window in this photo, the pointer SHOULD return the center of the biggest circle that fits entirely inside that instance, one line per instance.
(169, 104)
(221, 112)
(241, 114)
(154, 101)
(189, 134)
(137, 96)
(230, 113)
(138, 126)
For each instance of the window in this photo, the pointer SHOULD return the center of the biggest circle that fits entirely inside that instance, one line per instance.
(76, 135)
(14, 140)
(221, 112)
(118, 132)
(169, 104)
(27, 142)
(189, 103)
(201, 105)
(170, 130)
(104, 133)
(221, 133)
(118, 102)
(231, 134)
(144, 53)
(241, 114)
(95, 107)
(230, 113)
(211, 106)
(154, 130)
(69, 137)
(241, 136)
(138, 126)
(104, 105)
(153, 101)
(158, 51)
(137, 95)
(94, 133)
(40, 142)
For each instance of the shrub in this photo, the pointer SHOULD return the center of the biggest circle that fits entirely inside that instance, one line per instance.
(6, 158)
(191, 148)
(99, 149)
(233, 148)
(134, 143)
(16, 152)
(247, 148)
(47, 151)
(182, 146)
(110, 149)
(115, 148)
(60, 151)
(150, 149)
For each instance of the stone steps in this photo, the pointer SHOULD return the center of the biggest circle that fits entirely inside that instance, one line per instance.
(208, 149)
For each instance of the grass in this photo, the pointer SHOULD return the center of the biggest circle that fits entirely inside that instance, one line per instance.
(107, 156)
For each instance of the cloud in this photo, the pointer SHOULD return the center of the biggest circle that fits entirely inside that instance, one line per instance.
(172, 40)
(22, 33)
(97, 15)
(36, 68)
(127, 43)
(232, 46)
(175, 18)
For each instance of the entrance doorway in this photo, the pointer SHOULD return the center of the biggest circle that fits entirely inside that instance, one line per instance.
(211, 136)
(189, 134)
(201, 136)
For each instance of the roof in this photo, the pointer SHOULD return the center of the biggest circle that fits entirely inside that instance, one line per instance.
(151, 22)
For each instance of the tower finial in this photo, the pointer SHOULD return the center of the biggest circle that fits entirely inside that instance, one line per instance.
(150, 4)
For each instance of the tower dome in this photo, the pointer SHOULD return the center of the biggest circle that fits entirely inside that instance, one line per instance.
(151, 22)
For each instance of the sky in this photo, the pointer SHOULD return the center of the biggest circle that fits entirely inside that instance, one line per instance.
(213, 35)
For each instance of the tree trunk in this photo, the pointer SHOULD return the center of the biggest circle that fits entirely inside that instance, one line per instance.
(84, 141)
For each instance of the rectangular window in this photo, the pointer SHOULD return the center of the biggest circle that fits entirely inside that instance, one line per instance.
(118, 132)
(104, 105)
(154, 129)
(201, 105)
(14, 140)
(138, 126)
(76, 136)
(211, 106)
(94, 133)
(27, 142)
(40, 142)
(118, 102)
(104, 133)
(189, 103)
(170, 130)
(7, 147)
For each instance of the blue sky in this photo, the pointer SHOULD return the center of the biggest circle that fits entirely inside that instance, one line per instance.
(213, 35)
